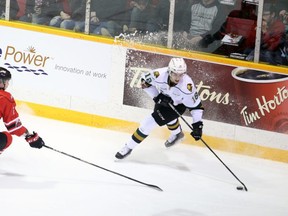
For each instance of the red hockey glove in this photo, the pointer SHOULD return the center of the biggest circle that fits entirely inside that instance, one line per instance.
(34, 140)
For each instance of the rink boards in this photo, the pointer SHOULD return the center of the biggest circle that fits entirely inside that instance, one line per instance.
(95, 81)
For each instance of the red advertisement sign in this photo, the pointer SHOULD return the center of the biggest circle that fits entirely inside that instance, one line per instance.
(239, 96)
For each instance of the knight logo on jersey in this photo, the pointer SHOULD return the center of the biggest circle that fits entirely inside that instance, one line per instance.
(156, 73)
(189, 87)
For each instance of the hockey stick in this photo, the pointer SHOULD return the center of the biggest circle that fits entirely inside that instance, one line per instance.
(239, 187)
(132, 179)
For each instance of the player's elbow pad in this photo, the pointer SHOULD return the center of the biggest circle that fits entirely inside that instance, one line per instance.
(197, 112)
(196, 115)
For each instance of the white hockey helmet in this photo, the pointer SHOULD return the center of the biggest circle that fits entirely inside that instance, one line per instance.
(177, 65)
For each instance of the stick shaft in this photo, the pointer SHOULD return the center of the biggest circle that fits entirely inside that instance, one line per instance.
(111, 171)
(172, 107)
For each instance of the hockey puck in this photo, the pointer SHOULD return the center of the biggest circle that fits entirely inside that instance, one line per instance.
(240, 188)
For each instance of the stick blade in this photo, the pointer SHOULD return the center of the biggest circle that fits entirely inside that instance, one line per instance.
(154, 187)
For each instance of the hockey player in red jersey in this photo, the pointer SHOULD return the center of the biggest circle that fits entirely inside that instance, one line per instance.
(11, 118)
(168, 85)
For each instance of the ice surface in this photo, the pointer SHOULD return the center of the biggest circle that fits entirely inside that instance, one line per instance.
(44, 182)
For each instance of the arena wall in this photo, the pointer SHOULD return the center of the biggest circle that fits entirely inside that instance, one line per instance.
(94, 81)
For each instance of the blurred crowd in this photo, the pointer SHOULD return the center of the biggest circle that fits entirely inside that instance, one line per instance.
(199, 25)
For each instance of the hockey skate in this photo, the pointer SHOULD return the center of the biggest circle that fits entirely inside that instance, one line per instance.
(173, 139)
(124, 152)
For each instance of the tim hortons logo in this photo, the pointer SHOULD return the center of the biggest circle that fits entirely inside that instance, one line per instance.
(265, 106)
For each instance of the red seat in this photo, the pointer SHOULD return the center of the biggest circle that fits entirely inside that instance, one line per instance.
(244, 27)
(22, 8)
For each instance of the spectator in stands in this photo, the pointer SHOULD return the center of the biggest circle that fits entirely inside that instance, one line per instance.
(143, 16)
(112, 15)
(180, 13)
(22, 8)
(206, 18)
(78, 16)
(106, 16)
(40, 11)
(44, 11)
(242, 22)
(247, 11)
(283, 13)
(158, 24)
(26, 10)
(14, 8)
(272, 38)
(65, 18)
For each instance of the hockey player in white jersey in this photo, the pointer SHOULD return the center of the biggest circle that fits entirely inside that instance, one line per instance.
(168, 85)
